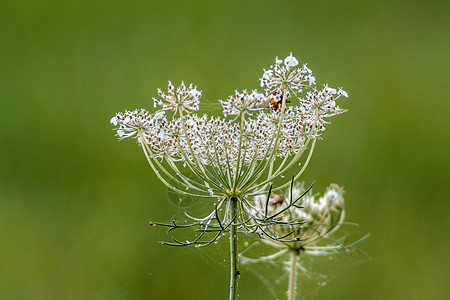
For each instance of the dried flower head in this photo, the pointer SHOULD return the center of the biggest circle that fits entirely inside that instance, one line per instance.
(312, 218)
(304, 223)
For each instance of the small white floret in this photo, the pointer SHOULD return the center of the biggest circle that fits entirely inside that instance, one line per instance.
(114, 121)
(290, 61)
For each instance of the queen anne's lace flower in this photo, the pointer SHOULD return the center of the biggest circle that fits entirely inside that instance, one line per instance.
(314, 217)
(183, 99)
(283, 76)
(320, 104)
(131, 122)
(213, 141)
(235, 153)
(243, 102)
(236, 160)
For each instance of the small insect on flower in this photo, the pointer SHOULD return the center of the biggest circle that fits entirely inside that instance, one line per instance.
(275, 100)
(276, 200)
(274, 104)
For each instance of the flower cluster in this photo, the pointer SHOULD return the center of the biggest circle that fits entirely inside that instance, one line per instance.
(214, 140)
(284, 76)
(312, 218)
(183, 99)
(322, 104)
(132, 122)
(243, 102)
(239, 153)
(303, 223)
(245, 162)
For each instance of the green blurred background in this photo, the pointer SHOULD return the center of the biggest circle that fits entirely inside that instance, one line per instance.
(75, 202)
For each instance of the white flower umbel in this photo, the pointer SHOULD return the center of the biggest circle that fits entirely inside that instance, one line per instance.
(183, 99)
(308, 224)
(284, 75)
(243, 102)
(322, 104)
(229, 160)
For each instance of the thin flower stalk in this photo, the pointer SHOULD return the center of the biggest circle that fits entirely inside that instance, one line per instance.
(234, 270)
(293, 275)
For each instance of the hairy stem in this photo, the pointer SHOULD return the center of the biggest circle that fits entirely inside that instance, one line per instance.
(234, 273)
(293, 275)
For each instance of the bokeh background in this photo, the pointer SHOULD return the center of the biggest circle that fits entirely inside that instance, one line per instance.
(75, 202)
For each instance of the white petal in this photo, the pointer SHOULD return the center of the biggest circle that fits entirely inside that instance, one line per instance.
(342, 93)
(290, 61)
(113, 120)
(195, 93)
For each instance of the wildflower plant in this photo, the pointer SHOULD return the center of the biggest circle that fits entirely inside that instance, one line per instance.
(318, 233)
(260, 146)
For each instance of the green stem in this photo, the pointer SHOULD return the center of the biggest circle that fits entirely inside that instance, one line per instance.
(293, 275)
(234, 273)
